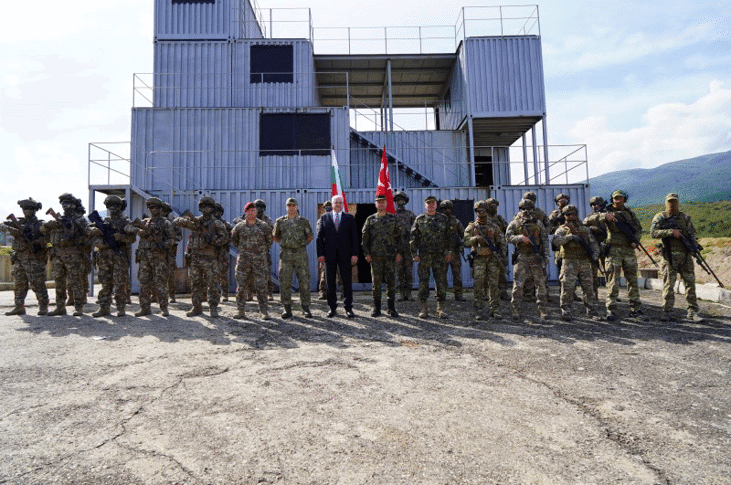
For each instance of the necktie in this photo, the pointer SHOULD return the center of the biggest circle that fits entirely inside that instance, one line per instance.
(337, 220)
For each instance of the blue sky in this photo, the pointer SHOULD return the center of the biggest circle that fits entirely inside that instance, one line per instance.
(641, 83)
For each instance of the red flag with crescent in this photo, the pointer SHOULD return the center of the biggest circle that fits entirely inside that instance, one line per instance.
(384, 184)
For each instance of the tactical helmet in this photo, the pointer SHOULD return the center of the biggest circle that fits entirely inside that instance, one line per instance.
(29, 203)
(68, 198)
(570, 208)
(530, 196)
(446, 204)
(154, 202)
(622, 193)
(206, 200)
(166, 208)
(526, 204)
(401, 195)
(480, 205)
(259, 203)
(562, 196)
(327, 203)
(80, 206)
(112, 200)
(218, 208)
(596, 200)
(492, 201)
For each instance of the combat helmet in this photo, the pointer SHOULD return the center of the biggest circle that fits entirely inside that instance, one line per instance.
(68, 198)
(260, 204)
(29, 203)
(570, 208)
(446, 204)
(530, 196)
(526, 204)
(206, 200)
(596, 200)
(401, 195)
(562, 196)
(154, 202)
(480, 205)
(115, 200)
(491, 201)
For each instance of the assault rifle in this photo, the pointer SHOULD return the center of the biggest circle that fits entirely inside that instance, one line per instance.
(584, 244)
(13, 223)
(629, 232)
(199, 222)
(107, 231)
(149, 234)
(691, 245)
(536, 248)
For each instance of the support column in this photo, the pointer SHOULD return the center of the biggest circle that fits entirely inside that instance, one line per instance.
(471, 133)
(536, 177)
(526, 174)
(545, 151)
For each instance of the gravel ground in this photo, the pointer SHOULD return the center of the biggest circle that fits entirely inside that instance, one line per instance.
(365, 401)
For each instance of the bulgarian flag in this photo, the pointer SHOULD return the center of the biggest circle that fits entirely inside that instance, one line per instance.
(337, 181)
(384, 184)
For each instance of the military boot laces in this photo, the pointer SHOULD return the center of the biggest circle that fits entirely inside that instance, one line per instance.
(60, 310)
(143, 312)
(103, 311)
(195, 311)
(78, 310)
(18, 310)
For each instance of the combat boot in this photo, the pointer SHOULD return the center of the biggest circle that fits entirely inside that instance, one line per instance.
(306, 312)
(224, 297)
(478, 314)
(405, 295)
(495, 314)
(70, 301)
(542, 314)
(694, 317)
(565, 316)
(171, 299)
(287, 313)
(516, 315)
(376, 312)
(424, 310)
(120, 311)
(143, 311)
(78, 310)
(458, 297)
(18, 310)
(392, 308)
(195, 311)
(60, 310)
(164, 311)
(440, 310)
(264, 314)
(240, 314)
(43, 308)
(214, 311)
(103, 311)
(249, 296)
(323, 296)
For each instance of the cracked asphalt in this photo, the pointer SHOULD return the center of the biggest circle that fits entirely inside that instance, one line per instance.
(364, 401)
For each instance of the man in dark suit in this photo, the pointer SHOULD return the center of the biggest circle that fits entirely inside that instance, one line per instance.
(337, 247)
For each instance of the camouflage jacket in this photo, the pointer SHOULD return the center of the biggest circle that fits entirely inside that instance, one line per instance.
(118, 225)
(570, 247)
(662, 227)
(383, 236)
(69, 231)
(458, 233)
(432, 234)
(499, 221)
(252, 239)
(27, 237)
(532, 228)
(207, 233)
(406, 220)
(555, 220)
(493, 235)
(595, 225)
(615, 236)
(293, 233)
(159, 235)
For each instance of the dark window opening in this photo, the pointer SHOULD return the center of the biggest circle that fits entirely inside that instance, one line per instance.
(483, 171)
(193, 1)
(272, 64)
(294, 134)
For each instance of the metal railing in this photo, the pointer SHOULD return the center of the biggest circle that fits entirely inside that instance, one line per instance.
(109, 163)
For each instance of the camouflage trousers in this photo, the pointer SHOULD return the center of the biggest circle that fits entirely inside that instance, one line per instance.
(252, 267)
(456, 266)
(434, 263)
(622, 259)
(153, 272)
(529, 268)
(405, 273)
(69, 273)
(383, 270)
(224, 264)
(172, 266)
(293, 261)
(30, 272)
(204, 272)
(683, 266)
(571, 270)
(114, 277)
(250, 285)
(487, 270)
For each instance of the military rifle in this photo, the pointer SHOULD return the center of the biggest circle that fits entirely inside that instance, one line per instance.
(149, 234)
(107, 231)
(692, 246)
(629, 232)
(13, 224)
(584, 244)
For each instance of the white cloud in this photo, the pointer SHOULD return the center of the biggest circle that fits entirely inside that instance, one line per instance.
(669, 132)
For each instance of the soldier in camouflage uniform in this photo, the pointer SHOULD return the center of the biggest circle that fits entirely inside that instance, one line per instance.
(432, 243)
(260, 209)
(224, 258)
(157, 236)
(530, 239)
(69, 238)
(573, 239)
(554, 221)
(28, 257)
(167, 210)
(489, 250)
(112, 256)
(446, 207)
(498, 220)
(529, 290)
(404, 269)
(252, 238)
(621, 256)
(383, 247)
(599, 232)
(293, 233)
(673, 226)
(207, 236)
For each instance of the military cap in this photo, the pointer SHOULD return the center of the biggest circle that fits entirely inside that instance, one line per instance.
(112, 200)
(569, 208)
(562, 196)
(620, 192)
(480, 205)
(526, 204)
(260, 203)
(206, 200)
(155, 202)
(292, 200)
(401, 195)
(381, 197)
(530, 196)
(446, 204)
(219, 208)
(166, 208)
(430, 197)
(596, 200)
(327, 203)
(492, 201)
(68, 198)
(672, 196)
(249, 205)
(29, 203)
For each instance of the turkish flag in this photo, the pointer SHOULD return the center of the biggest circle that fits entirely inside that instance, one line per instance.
(384, 184)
